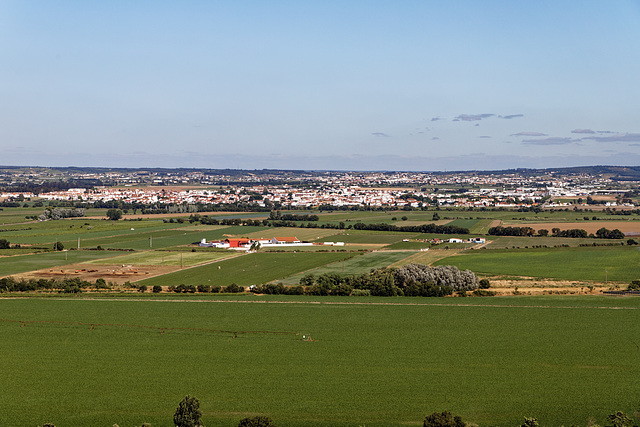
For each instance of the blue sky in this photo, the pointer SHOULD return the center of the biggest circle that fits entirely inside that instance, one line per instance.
(361, 85)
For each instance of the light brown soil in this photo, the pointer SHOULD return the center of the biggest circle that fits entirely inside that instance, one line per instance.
(117, 274)
(589, 226)
(546, 287)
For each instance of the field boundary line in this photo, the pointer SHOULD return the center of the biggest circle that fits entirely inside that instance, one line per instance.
(161, 329)
(397, 304)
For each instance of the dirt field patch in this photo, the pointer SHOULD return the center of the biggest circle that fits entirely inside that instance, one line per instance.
(116, 273)
(627, 227)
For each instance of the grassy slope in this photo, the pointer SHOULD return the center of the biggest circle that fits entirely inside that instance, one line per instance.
(251, 269)
(562, 360)
(621, 263)
(356, 264)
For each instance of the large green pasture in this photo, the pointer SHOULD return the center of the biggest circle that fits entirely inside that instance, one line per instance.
(493, 361)
(614, 263)
(249, 269)
(355, 264)
(45, 232)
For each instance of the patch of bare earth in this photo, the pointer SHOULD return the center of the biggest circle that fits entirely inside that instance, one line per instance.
(526, 286)
(630, 227)
(118, 274)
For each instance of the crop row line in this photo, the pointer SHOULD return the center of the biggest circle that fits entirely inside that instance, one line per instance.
(157, 328)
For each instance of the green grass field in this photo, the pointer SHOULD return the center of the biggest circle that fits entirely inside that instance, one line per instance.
(185, 258)
(250, 269)
(616, 263)
(560, 359)
(355, 264)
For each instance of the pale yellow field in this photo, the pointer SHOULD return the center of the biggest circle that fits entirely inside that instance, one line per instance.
(301, 233)
(426, 257)
(174, 258)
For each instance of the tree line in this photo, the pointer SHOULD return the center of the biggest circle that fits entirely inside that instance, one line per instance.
(409, 280)
(602, 233)
(189, 414)
(69, 285)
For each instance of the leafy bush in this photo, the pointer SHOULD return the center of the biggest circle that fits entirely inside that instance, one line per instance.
(443, 419)
(204, 289)
(634, 286)
(483, 293)
(257, 421)
(188, 413)
(233, 289)
(157, 289)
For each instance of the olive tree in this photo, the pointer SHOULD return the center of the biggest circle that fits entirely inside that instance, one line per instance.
(188, 413)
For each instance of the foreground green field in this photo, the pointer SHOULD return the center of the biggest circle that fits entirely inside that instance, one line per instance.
(560, 359)
(245, 270)
(615, 263)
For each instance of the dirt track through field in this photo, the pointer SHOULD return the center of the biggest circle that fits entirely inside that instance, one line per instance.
(398, 304)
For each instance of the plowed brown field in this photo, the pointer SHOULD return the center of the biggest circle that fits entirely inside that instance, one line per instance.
(627, 227)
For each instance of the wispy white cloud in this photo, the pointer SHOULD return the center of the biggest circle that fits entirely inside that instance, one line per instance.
(554, 140)
(621, 137)
(472, 117)
(529, 134)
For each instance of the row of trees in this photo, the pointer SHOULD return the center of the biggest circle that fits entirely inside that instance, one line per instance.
(277, 215)
(602, 233)
(446, 419)
(69, 285)
(409, 280)
(189, 414)
(204, 289)
(60, 213)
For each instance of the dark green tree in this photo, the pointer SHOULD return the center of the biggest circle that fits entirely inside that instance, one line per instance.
(157, 289)
(619, 419)
(257, 421)
(308, 280)
(484, 284)
(443, 419)
(4, 244)
(530, 422)
(188, 413)
(58, 246)
(114, 214)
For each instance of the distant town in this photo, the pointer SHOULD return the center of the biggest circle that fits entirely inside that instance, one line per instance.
(603, 187)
